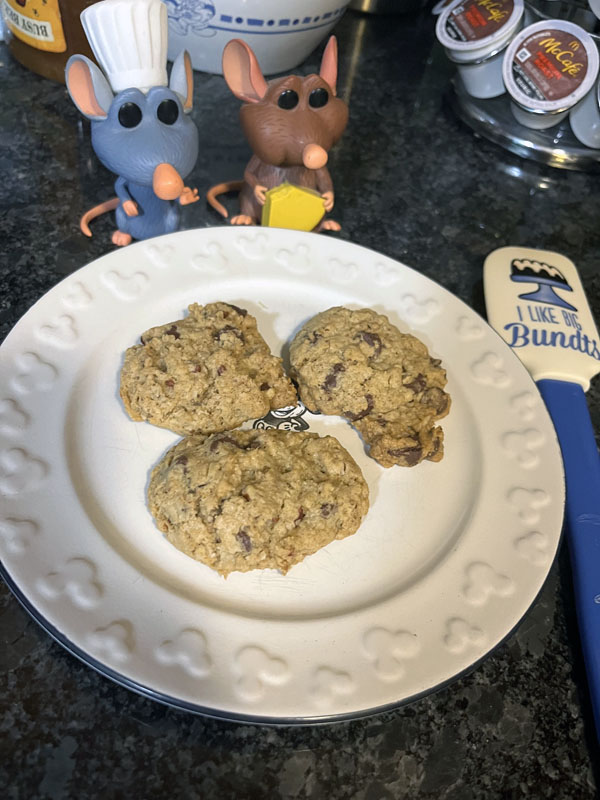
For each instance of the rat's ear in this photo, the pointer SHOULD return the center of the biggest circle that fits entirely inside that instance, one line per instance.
(242, 73)
(89, 89)
(329, 61)
(182, 80)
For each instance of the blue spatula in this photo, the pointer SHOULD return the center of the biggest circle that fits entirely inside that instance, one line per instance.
(536, 302)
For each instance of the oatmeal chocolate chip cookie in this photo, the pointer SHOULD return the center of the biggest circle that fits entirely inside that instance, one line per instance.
(208, 372)
(256, 499)
(360, 366)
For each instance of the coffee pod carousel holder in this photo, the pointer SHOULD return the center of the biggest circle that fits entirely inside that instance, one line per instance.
(493, 118)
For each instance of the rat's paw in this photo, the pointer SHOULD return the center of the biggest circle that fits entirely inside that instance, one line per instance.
(329, 225)
(327, 200)
(130, 208)
(260, 193)
(121, 239)
(242, 219)
(188, 196)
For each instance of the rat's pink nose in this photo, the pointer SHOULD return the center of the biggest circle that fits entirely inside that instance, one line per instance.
(314, 156)
(167, 182)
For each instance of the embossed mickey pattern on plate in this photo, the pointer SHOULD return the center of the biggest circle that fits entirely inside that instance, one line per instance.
(33, 374)
(126, 287)
(256, 670)
(482, 582)
(158, 253)
(78, 296)
(459, 635)
(390, 651)
(115, 641)
(61, 331)
(77, 580)
(489, 369)
(17, 535)
(211, 259)
(354, 627)
(188, 649)
(328, 683)
(470, 329)
(13, 419)
(418, 311)
(524, 446)
(20, 472)
(528, 503)
(296, 261)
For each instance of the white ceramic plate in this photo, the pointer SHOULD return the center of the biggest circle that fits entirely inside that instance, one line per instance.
(448, 560)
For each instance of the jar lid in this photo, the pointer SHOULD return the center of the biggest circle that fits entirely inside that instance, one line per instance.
(549, 66)
(469, 25)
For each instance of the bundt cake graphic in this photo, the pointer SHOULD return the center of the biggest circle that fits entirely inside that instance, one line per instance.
(548, 279)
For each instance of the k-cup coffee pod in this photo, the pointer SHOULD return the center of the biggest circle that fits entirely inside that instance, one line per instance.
(548, 68)
(585, 118)
(474, 34)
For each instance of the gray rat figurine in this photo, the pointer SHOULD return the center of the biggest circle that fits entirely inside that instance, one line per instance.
(291, 123)
(144, 134)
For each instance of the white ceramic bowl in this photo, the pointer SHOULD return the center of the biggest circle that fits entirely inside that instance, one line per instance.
(282, 33)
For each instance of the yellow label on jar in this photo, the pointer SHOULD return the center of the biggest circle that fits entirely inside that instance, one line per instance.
(36, 22)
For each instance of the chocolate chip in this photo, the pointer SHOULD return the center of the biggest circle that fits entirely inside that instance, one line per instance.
(173, 332)
(314, 337)
(246, 497)
(436, 398)
(264, 387)
(244, 539)
(417, 384)
(409, 455)
(241, 311)
(219, 509)
(197, 368)
(437, 443)
(216, 442)
(221, 369)
(228, 329)
(170, 383)
(252, 445)
(353, 417)
(330, 381)
(327, 509)
(373, 340)
(300, 516)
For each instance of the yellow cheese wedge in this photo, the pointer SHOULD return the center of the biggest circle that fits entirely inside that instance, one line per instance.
(289, 206)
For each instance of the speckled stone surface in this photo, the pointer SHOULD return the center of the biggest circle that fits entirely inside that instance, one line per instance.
(414, 183)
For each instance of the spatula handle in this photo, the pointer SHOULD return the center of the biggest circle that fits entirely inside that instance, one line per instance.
(568, 408)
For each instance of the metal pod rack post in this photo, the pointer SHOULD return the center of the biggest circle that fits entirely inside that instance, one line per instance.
(494, 120)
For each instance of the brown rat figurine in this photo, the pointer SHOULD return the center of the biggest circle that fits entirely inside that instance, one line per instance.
(290, 123)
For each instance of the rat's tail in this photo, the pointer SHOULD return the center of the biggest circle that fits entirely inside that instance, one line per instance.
(109, 205)
(221, 188)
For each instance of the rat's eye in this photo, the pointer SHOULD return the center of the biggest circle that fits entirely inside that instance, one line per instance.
(130, 115)
(288, 99)
(167, 112)
(318, 98)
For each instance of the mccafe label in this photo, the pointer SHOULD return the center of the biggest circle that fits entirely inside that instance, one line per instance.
(475, 20)
(550, 64)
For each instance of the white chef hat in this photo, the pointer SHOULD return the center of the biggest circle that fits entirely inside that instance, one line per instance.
(129, 41)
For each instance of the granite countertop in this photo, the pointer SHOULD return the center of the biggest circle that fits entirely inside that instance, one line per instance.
(413, 183)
